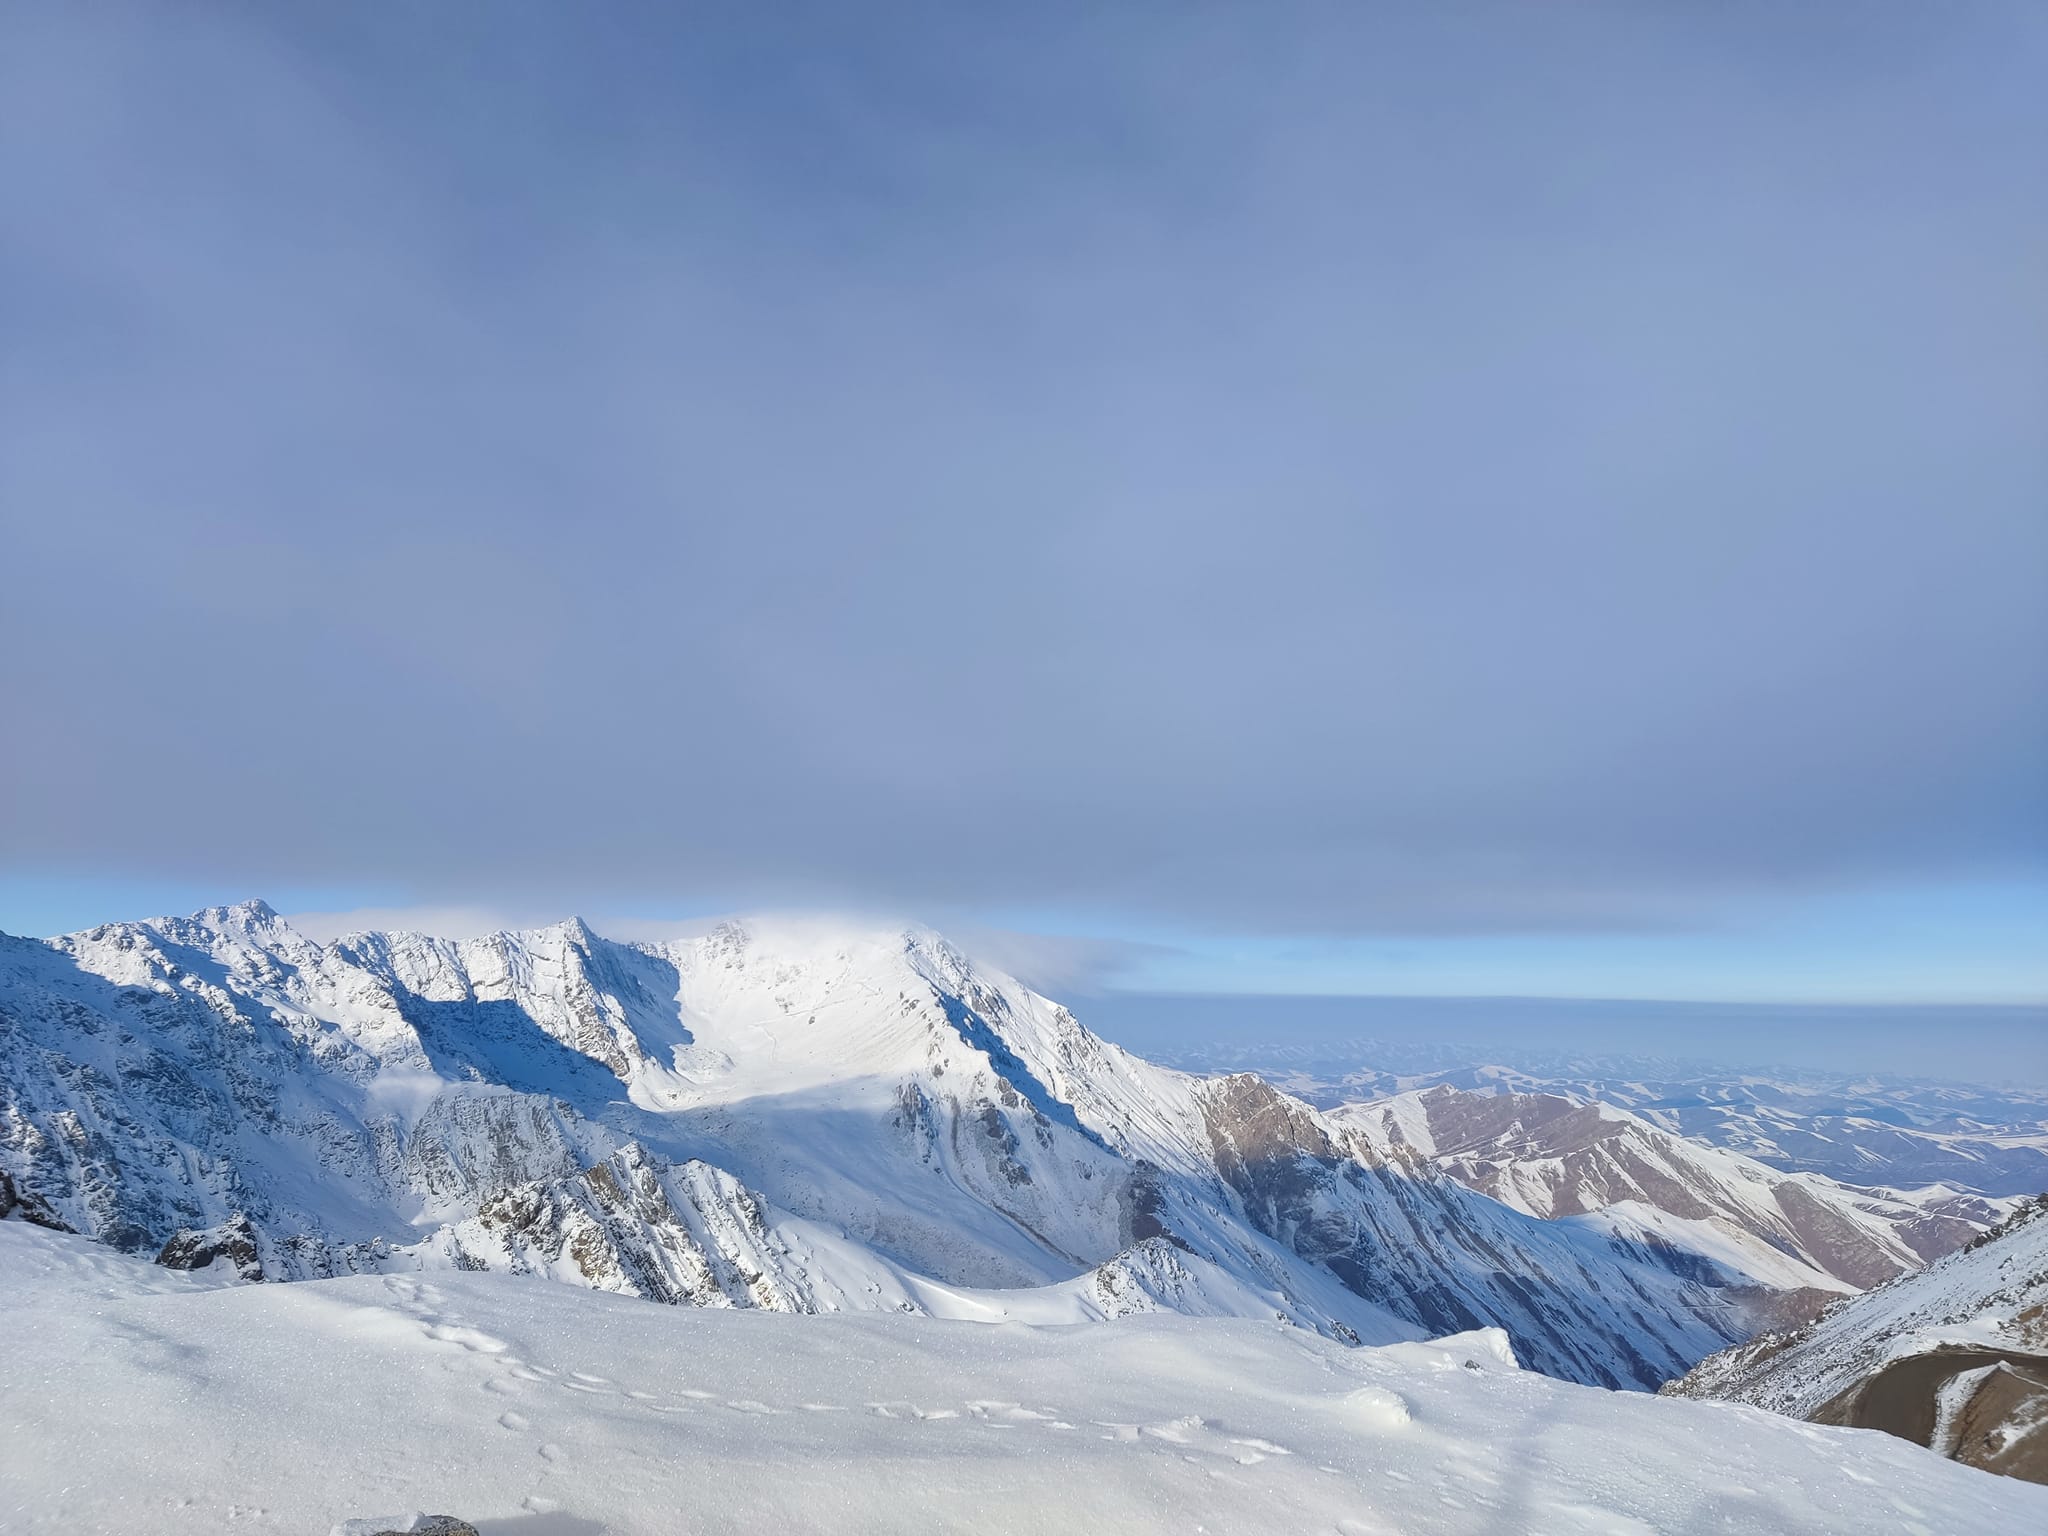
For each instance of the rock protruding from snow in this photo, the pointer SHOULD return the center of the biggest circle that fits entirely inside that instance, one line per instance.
(26, 1205)
(232, 1243)
(1954, 1357)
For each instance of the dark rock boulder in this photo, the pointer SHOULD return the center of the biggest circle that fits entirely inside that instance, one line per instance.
(26, 1204)
(233, 1240)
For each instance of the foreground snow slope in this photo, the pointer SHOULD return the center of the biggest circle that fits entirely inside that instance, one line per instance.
(134, 1400)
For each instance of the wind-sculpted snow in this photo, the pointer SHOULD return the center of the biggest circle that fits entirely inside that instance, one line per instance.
(189, 1407)
(768, 1116)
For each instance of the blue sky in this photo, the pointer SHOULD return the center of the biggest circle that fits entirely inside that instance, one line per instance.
(1457, 500)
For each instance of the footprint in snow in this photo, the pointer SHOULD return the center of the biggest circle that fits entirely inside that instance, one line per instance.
(475, 1340)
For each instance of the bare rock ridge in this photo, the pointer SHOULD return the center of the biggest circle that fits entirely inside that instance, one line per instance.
(1561, 1157)
(786, 1117)
(1859, 1130)
(1954, 1357)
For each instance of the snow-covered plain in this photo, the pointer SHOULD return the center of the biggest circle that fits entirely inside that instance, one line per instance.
(134, 1399)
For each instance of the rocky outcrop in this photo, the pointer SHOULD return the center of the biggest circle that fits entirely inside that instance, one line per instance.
(1954, 1358)
(686, 1234)
(27, 1205)
(234, 1241)
(1984, 1408)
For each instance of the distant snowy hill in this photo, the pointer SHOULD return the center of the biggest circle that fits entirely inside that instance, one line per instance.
(1557, 1156)
(774, 1115)
(138, 1399)
(1866, 1130)
(1954, 1357)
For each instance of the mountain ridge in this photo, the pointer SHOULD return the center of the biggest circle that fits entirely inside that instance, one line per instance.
(760, 1115)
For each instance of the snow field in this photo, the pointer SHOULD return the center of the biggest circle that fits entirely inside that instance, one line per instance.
(135, 1401)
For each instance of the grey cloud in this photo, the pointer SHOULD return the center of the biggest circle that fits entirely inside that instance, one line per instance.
(1055, 964)
(1376, 472)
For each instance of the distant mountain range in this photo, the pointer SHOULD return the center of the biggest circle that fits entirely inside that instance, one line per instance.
(1865, 1129)
(1560, 1157)
(809, 1118)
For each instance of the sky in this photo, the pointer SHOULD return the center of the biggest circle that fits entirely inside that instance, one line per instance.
(1462, 500)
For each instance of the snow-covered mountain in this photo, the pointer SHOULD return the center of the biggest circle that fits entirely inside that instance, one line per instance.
(1954, 1357)
(772, 1115)
(1863, 1130)
(1561, 1157)
(189, 1405)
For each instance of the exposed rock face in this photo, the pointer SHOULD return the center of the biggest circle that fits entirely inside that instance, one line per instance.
(687, 1234)
(1987, 1409)
(26, 1205)
(1418, 1244)
(233, 1240)
(1556, 1156)
(2000, 1423)
(406, 1525)
(1954, 1358)
(1860, 1129)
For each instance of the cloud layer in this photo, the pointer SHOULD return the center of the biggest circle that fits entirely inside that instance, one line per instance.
(1354, 474)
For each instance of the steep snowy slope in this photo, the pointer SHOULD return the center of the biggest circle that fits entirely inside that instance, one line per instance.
(778, 1116)
(1557, 1156)
(1955, 1357)
(544, 1410)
